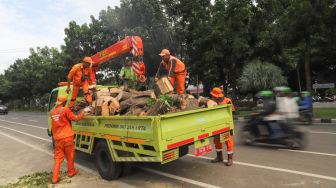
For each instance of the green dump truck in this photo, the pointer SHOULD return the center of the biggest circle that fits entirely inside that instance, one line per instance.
(118, 141)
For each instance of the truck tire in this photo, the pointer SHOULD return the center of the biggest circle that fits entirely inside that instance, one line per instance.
(184, 150)
(127, 169)
(107, 168)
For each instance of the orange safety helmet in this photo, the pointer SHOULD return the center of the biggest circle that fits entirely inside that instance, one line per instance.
(61, 100)
(217, 92)
(88, 60)
(164, 52)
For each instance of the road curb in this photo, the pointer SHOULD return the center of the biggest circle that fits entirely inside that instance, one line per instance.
(316, 120)
(324, 120)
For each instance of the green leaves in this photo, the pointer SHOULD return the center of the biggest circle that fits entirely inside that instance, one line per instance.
(259, 75)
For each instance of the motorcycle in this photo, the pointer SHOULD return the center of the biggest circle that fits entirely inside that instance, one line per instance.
(255, 131)
(306, 116)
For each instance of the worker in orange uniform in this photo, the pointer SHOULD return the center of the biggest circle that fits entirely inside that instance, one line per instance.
(173, 68)
(218, 97)
(80, 75)
(63, 136)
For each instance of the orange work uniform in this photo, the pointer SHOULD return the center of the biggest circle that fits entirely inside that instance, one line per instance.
(229, 143)
(176, 71)
(80, 78)
(63, 136)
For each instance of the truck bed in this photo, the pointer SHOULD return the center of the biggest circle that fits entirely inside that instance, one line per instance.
(154, 138)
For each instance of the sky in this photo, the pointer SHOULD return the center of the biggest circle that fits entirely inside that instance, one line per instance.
(26, 24)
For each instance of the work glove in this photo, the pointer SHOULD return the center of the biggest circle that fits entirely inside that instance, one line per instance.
(87, 109)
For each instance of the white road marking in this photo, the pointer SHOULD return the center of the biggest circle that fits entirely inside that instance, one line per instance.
(194, 182)
(24, 124)
(276, 169)
(32, 120)
(47, 140)
(310, 152)
(122, 184)
(318, 132)
(45, 151)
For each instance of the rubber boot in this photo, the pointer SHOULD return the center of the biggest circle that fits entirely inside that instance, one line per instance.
(229, 160)
(73, 173)
(219, 157)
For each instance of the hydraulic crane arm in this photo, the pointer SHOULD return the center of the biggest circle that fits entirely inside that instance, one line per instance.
(131, 44)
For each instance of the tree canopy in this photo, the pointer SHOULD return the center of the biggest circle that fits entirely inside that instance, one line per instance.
(217, 40)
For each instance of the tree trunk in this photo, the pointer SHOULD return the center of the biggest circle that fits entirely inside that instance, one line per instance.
(126, 104)
(123, 96)
(307, 65)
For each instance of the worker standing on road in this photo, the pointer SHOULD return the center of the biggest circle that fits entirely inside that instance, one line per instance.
(63, 136)
(173, 68)
(127, 75)
(218, 97)
(80, 75)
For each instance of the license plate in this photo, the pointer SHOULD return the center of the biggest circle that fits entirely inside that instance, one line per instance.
(203, 150)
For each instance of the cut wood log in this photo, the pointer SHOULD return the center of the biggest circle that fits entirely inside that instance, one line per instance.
(148, 93)
(206, 102)
(100, 94)
(107, 98)
(104, 90)
(114, 92)
(105, 109)
(163, 86)
(202, 100)
(190, 104)
(135, 111)
(155, 109)
(139, 102)
(114, 106)
(123, 96)
(211, 103)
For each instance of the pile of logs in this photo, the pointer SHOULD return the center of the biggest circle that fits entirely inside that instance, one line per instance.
(116, 101)
(161, 100)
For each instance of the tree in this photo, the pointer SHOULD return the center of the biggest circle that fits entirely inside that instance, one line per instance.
(259, 75)
(302, 25)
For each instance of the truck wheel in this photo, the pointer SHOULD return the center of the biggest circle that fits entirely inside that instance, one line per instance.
(127, 169)
(107, 168)
(184, 150)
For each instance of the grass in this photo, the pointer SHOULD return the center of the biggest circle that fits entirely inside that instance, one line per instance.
(325, 113)
(39, 179)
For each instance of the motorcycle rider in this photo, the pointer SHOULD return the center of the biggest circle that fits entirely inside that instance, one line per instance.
(286, 112)
(268, 107)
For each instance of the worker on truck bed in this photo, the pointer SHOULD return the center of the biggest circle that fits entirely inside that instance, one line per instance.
(63, 136)
(127, 75)
(80, 75)
(218, 96)
(173, 68)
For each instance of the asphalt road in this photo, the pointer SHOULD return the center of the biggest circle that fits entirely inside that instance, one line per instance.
(25, 148)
